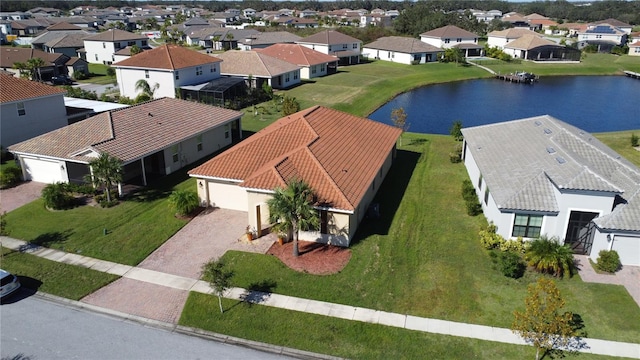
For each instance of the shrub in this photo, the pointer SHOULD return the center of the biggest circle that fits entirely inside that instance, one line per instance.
(608, 261)
(517, 246)
(456, 155)
(511, 265)
(104, 203)
(469, 195)
(547, 255)
(634, 140)
(10, 176)
(489, 238)
(56, 196)
(84, 189)
(184, 201)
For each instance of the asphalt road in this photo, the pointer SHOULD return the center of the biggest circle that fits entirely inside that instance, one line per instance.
(34, 328)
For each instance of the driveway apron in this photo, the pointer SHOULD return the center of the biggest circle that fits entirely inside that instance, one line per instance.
(208, 236)
(15, 197)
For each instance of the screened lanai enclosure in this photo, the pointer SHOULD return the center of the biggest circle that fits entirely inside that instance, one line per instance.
(227, 92)
(553, 53)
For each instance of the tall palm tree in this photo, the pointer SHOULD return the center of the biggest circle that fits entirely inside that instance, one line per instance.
(146, 90)
(292, 207)
(106, 171)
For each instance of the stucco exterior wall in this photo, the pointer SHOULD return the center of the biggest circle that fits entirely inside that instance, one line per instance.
(314, 71)
(392, 56)
(568, 201)
(225, 195)
(41, 115)
(127, 79)
(627, 245)
(101, 52)
(498, 42)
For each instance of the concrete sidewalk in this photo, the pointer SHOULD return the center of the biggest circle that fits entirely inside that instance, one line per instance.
(435, 326)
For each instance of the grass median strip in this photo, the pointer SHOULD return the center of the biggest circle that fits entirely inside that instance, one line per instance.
(68, 281)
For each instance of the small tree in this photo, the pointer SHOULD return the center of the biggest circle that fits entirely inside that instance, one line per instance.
(542, 324)
(456, 130)
(290, 105)
(634, 140)
(106, 171)
(184, 201)
(218, 277)
(399, 120)
(135, 49)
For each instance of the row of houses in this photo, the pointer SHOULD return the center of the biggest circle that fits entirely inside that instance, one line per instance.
(558, 180)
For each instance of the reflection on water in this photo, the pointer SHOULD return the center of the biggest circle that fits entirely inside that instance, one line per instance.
(592, 103)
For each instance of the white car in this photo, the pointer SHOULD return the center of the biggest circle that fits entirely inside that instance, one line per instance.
(8, 283)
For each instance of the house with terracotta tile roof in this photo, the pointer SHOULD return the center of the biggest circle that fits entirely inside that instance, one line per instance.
(451, 36)
(101, 47)
(169, 66)
(54, 63)
(500, 38)
(261, 68)
(335, 43)
(542, 176)
(28, 109)
(312, 63)
(401, 49)
(152, 139)
(343, 157)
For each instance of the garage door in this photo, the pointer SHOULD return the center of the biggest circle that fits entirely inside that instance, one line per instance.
(227, 196)
(628, 248)
(43, 171)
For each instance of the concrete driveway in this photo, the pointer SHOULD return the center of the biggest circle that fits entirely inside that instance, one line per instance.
(15, 197)
(209, 235)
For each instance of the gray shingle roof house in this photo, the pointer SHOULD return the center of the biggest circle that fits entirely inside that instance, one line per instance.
(152, 139)
(402, 49)
(540, 176)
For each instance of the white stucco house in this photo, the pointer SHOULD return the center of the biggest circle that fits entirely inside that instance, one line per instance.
(100, 48)
(169, 66)
(500, 38)
(28, 109)
(152, 139)
(260, 67)
(451, 36)
(401, 49)
(605, 36)
(344, 158)
(541, 176)
(634, 49)
(312, 63)
(344, 47)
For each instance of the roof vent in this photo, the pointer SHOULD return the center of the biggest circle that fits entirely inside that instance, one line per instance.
(560, 160)
(547, 131)
(538, 123)
(551, 150)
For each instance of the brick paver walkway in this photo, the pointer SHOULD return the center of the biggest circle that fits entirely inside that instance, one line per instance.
(13, 198)
(628, 276)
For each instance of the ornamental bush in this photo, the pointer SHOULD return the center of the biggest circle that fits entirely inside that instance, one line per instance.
(56, 196)
(515, 245)
(511, 264)
(184, 201)
(608, 261)
(10, 176)
(549, 256)
(489, 238)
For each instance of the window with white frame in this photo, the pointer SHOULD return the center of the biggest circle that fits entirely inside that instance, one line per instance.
(174, 153)
(199, 142)
(226, 131)
(344, 46)
(313, 69)
(198, 70)
(527, 225)
(295, 75)
(177, 75)
(104, 45)
(287, 77)
(486, 196)
(322, 67)
(446, 41)
(21, 109)
(355, 45)
(146, 74)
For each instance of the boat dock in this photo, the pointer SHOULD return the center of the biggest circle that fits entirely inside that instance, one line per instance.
(632, 74)
(519, 77)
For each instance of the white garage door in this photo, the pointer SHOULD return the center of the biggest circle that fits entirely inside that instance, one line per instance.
(227, 196)
(43, 171)
(628, 248)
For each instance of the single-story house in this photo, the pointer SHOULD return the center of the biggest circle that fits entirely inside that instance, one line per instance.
(344, 158)
(28, 109)
(152, 139)
(541, 176)
(260, 67)
(312, 63)
(533, 47)
(401, 49)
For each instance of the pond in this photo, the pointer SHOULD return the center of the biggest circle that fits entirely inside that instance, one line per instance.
(592, 103)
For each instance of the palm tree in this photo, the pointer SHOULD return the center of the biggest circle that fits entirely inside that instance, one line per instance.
(292, 207)
(146, 91)
(547, 255)
(106, 171)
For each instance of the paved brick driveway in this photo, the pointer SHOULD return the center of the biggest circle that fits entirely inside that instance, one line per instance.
(13, 198)
(208, 235)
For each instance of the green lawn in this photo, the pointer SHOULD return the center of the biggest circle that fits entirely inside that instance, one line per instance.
(621, 142)
(135, 227)
(98, 75)
(68, 281)
(344, 338)
(592, 64)
(424, 258)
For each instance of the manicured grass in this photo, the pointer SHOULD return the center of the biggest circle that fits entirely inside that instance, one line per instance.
(135, 227)
(621, 142)
(592, 64)
(344, 338)
(68, 281)
(423, 258)
(98, 75)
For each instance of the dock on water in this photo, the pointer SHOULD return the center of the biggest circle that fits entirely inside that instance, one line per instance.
(632, 74)
(519, 77)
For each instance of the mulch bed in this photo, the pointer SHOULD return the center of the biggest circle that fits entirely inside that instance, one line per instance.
(315, 258)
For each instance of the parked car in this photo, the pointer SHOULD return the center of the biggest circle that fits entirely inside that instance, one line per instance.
(61, 80)
(8, 283)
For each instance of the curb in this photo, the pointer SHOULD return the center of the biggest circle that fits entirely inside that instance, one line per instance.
(189, 331)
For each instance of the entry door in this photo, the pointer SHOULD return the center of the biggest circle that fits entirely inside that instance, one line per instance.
(580, 232)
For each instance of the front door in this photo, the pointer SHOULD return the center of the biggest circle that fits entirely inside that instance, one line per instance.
(580, 232)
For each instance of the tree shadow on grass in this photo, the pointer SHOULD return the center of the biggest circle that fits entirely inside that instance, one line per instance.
(389, 196)
(575, 344)
(258, 292)
(46, 239)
